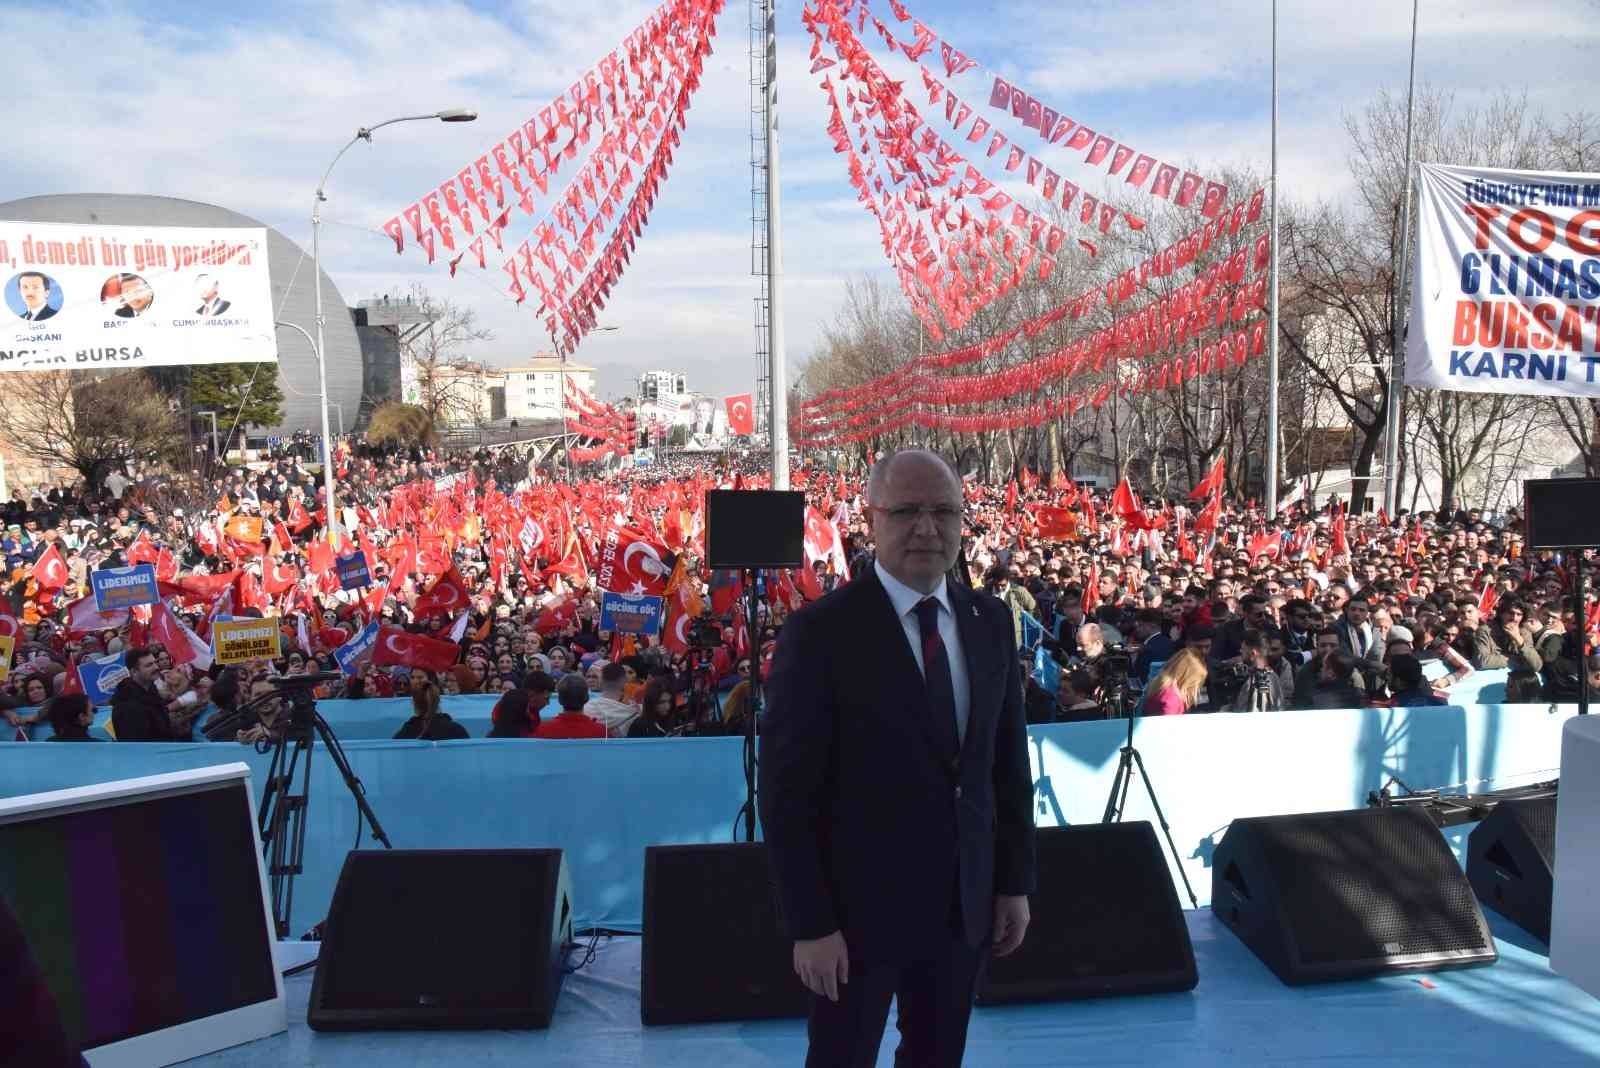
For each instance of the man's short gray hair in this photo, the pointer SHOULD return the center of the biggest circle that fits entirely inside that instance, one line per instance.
(882, 470)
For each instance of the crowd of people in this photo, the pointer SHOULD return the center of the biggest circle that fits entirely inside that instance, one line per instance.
(1168, 607)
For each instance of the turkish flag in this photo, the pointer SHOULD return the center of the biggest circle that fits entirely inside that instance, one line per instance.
(205, 587)
(1056, 522)
(50, 570)
(250, 593)
(181, 643)
(631, 563)
(1123, 501)
(561, 614)
(277, 577)
(299, 519)
(1166, 174)
(1210, 484)
(447, 596)
(84, 618)
(166, 565)
(1216, 196)
(395, 646)
(319, 558)
(10, 626)
(1099, 150)
(675, 633)
(741, 417)
(143, 550)
(1187, 189)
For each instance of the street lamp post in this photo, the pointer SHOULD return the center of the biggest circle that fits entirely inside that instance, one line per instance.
(363, 134)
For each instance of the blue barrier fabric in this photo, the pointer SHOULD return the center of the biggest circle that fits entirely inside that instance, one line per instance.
(605, 801)
(1515, 1012)
(381, 717)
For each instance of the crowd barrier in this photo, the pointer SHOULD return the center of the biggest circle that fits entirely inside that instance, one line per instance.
(381, 717)
(605, 801)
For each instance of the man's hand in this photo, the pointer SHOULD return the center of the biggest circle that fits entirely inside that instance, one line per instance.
(1010, 923)
(823, 964)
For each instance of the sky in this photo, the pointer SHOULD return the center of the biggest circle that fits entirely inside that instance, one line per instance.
(244, 105)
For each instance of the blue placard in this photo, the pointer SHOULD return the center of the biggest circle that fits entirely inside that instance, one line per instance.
(352, 650)
(100, 675)
(630, 614)
(117, 588)
(352, 570)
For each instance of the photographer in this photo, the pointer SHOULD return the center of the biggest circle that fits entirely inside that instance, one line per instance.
(1263, 687)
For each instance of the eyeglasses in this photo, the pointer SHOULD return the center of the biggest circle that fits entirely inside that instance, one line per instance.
(909, 513)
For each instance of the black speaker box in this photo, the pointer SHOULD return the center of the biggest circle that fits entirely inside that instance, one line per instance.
(1561, 513)
(1511, 860)
(1105, 921)
(713, 949)
(444, 938)
(1341, 895)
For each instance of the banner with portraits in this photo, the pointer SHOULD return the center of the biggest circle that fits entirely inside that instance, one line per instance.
(81, 297)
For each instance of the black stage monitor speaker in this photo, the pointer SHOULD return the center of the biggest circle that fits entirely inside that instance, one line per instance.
(755, 528)
(1105, 921)
(713, 950)
(444, 938)
(1341, 895)
(1562, 513)
(1511, 862)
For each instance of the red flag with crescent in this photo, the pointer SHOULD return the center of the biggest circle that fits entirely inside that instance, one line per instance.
(395, 646)
(447, 596)
(50, 570)
(631, 563)
(741, 416)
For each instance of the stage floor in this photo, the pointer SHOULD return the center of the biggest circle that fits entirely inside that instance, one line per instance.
(1514, 1012)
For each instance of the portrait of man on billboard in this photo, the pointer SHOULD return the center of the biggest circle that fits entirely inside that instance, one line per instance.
(34, 296)
(210, 297)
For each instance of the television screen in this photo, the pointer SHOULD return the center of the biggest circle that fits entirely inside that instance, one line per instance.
(144, 912)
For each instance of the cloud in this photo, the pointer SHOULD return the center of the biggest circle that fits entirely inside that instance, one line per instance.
(245, 107)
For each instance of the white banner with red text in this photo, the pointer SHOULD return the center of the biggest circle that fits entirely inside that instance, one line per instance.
(79, 297)
(1506, 290)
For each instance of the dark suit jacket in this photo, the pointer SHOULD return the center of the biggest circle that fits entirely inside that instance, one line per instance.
(139, 715)
(222, 307)
(873, 819)
(46, 312)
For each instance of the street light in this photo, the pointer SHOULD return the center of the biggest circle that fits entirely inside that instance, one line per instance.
(362, 134)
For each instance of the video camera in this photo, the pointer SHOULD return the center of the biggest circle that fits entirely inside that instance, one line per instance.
(704, 634)
(298, 689)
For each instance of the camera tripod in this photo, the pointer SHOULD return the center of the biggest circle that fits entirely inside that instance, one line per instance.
(1117, 802)
(282, 816)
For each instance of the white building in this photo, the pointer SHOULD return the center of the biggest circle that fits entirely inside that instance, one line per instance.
(662, 385)
(533, 389)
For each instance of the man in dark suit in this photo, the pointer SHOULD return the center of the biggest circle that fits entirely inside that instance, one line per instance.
(895, 792)
(211, 302)
(34, 290)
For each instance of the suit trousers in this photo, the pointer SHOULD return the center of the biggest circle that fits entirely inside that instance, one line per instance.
(934, 998)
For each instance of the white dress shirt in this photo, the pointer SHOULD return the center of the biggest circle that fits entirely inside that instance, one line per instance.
(905, 601)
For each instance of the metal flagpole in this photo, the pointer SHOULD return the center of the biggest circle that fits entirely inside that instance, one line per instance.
(1272, 313)
(778, 420)
(1397, 358)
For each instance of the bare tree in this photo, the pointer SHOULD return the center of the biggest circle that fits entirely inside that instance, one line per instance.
(1342, 262)
(88, 421)
(446, 388)
(1574, 145)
